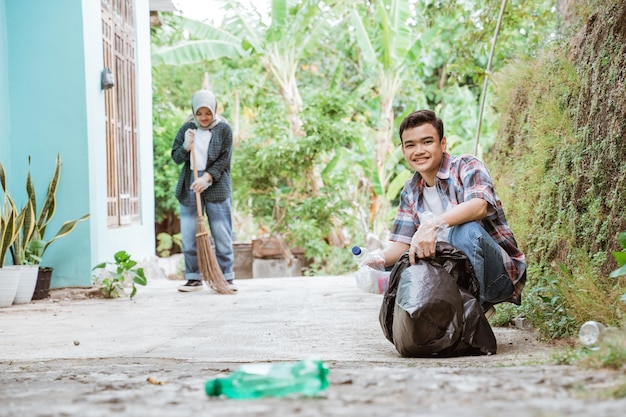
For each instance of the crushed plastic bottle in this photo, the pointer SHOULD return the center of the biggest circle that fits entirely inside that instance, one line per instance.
(307, 378)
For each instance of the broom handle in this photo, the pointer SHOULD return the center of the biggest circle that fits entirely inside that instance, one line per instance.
(195, 177)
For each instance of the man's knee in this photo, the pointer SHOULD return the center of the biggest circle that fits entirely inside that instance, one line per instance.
(499, 289)
(464, 234)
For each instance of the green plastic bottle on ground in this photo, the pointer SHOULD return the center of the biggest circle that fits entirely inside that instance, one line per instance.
(307, 377)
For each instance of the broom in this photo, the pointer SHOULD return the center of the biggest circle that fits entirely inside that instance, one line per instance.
(207, 262)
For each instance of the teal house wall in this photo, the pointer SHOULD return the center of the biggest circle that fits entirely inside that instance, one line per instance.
(51, 102)
(5, 128)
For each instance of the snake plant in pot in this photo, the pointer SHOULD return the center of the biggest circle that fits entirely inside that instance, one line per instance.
(28, 268)
(9, 229)
(31, 244)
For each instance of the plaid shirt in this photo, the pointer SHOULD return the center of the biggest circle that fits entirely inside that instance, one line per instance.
(459, 179)
(218, 164)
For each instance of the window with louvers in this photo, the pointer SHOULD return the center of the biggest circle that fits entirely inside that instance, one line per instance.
(118, 39)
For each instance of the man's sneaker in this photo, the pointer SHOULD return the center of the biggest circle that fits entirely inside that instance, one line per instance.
(489, 313)
(192, 285)
(232, 286)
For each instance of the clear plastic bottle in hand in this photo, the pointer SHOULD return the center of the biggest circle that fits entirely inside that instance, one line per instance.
(358, 254)
(368, 279)
(306, 377)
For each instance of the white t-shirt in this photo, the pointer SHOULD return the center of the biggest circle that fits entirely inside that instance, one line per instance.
(432, 201)
(434, 204)
(201, 141)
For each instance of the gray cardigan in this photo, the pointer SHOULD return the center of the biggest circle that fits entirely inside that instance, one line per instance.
(218, 164)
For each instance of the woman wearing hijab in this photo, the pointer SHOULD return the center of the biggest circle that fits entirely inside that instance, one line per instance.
(211, 138)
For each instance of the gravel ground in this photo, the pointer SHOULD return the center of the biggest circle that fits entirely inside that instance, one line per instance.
(122, 387)
(72, 355)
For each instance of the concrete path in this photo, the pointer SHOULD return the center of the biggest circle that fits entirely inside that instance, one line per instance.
(151, 356)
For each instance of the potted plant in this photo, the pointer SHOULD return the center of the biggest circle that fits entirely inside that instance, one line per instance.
(19, 249)
(9, 229)
(30, 246)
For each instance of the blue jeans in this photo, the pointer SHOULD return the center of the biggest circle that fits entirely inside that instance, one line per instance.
(220, 224)
(486, 258)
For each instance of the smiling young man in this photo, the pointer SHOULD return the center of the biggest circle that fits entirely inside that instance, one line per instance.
(452, 198)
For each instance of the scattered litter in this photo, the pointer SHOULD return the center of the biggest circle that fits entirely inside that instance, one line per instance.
(258, 380)
(155, 381)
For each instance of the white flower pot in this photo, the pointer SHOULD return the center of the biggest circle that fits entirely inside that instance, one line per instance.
(9, 280)
(26, 286)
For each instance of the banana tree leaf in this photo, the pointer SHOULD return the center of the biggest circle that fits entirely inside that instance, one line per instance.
(279, 15)
(397, 184)
(397, 35)
(195, 51)
(330, 166)
(392, 161)
(364, 42)
(377, 184)
(203, 31)
(251, 36)
(385, 47)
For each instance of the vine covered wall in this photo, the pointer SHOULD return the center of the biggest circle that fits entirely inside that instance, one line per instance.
(560, 159)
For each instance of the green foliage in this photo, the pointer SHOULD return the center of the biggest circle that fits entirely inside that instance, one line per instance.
(30, 244)
(506, 314)
(611, 355)
(167, 242)
(620, 257)
(302, 208)
(167, 119)
(559, 171)
(37, 247)
(112, 276)
(567, 356)
(24, 248)
(9, 220)
(207, 43)
(546, 307)
(286, 180)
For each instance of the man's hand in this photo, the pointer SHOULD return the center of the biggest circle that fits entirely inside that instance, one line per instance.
(188, 143)
(425, 238)
(202, 183)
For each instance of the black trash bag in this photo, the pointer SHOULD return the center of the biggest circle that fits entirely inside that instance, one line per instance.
(432, 309)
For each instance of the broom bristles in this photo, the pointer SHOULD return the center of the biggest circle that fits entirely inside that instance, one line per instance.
(207, 262)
